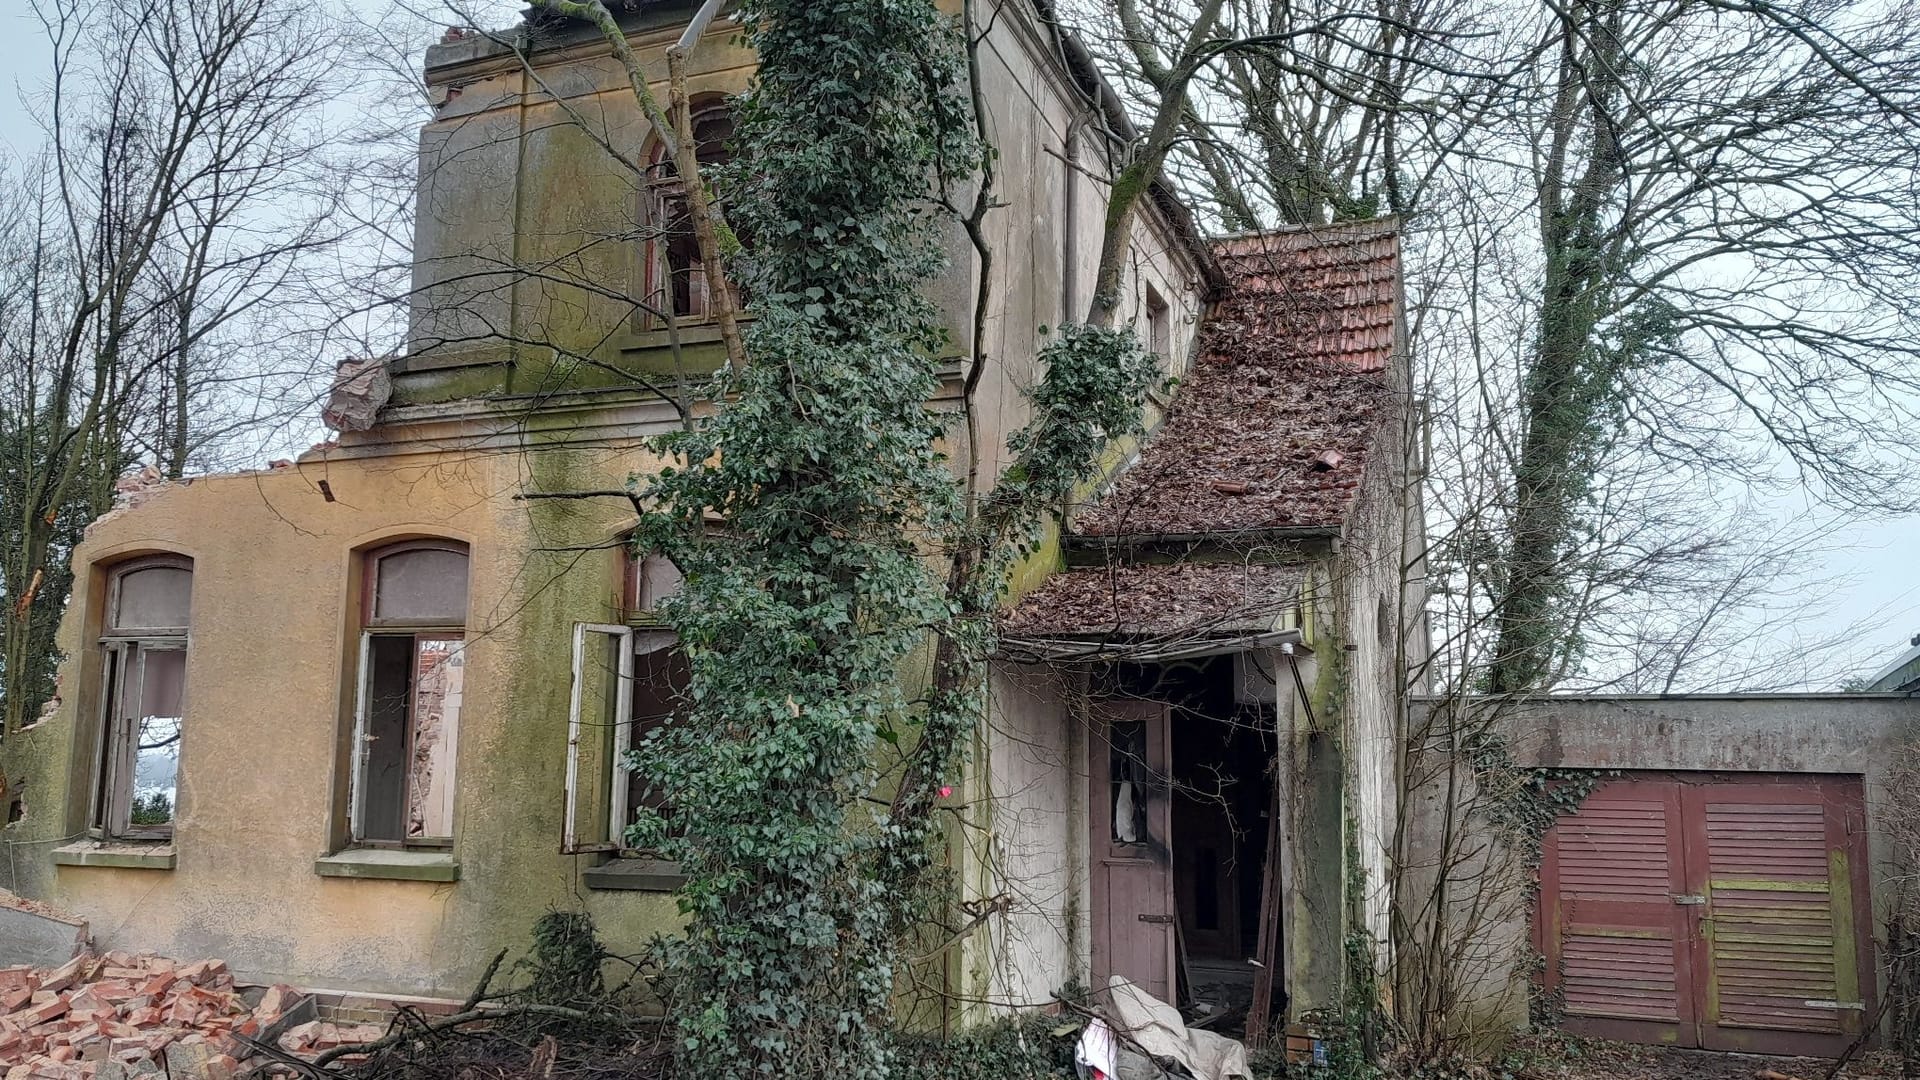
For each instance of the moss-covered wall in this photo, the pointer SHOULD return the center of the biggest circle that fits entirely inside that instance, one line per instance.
(519, 378)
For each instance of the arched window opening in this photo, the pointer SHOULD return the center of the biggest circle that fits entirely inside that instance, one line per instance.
(411, 687)
(676, 277)
(143, 698)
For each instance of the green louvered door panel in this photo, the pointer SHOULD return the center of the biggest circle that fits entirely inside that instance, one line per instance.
(1780, 951)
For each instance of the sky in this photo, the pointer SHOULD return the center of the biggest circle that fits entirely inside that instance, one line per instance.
(1875, 603)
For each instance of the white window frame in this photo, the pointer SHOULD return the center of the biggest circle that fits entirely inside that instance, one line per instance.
(110, 808)
(622, 737)
(112, 805)
(362, 746)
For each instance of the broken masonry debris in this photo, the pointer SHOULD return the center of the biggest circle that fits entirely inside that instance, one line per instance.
(117, 1016)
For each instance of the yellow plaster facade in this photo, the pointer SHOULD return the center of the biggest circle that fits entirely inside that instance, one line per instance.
(512, 385)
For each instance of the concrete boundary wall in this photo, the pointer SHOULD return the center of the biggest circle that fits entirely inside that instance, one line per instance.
(1833, 734)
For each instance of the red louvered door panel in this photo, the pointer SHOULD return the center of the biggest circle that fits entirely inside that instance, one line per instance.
(1779, 952)
(1699, 909)
(1618, 958)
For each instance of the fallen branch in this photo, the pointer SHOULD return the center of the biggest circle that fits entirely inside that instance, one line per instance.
(486, 979)
(1866, 1032)
(471, 1016)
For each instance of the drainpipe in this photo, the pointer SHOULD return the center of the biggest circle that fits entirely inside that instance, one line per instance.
(1069, 255)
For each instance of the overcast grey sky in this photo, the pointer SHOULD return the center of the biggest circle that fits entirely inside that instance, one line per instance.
(1879, 606)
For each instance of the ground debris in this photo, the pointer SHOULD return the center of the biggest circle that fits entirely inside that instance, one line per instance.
(1560, 1057)
(119, 1016)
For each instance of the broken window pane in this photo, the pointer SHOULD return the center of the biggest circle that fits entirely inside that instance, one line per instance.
(383, 762)
(1128, 772)
(421, 585)
(143, 699)
(680, 282)
(156, 738)
(627, 682)
(439, 668)
(661, 676)
(152, 598)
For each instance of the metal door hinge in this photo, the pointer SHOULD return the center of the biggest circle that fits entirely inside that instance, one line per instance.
(1844, 1006)
(1156, 918)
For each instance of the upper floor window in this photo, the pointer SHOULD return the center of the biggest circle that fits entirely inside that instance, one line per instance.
(411, 686)
(143, 699)
(650, 578)
(1159, 325)
(676, 280)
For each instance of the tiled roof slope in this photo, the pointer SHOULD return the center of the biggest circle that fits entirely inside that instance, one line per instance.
(1292, 365)
(1165, 601)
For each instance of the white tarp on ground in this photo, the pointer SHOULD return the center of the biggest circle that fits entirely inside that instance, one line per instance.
(1156, 1028)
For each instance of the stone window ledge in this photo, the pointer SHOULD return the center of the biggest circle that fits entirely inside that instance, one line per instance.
(691, 333)
(636, 875)
(124, 855)
(392, 864)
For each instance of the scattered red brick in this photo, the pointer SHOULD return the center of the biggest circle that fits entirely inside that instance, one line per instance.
(116, 1015)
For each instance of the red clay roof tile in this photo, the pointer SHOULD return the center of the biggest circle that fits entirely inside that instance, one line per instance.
(1292, 365)
(1165, 601)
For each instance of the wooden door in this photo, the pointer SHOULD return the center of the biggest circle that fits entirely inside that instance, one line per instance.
(1132, 871)
(1616, 931)
(1780, 955)
(1699, 909)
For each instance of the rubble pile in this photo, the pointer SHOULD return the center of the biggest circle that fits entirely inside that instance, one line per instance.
(121, 1017)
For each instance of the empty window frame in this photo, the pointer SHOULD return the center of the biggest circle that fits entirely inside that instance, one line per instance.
(626, 682)
(1159, 325)
(143, 699)
(1132, 781)
(650, 578)
(675, 279)
(411, 685)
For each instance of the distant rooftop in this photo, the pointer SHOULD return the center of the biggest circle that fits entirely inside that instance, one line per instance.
(1903, 673)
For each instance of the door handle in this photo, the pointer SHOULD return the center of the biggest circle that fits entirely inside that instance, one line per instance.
(1156, 918)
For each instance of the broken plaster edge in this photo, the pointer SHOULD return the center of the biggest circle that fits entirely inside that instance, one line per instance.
(118, 856)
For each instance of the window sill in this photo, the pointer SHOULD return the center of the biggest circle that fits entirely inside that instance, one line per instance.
(391, 864)
(125, 855)
(692, 332)
(636, 875)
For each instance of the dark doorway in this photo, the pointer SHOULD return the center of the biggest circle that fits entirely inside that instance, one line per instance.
(1212, 802)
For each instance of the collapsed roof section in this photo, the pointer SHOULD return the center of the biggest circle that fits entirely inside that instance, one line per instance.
(1158, 611)
(1273, 428)
(1270, 435)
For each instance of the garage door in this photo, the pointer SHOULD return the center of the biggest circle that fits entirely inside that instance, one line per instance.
(1728, 912)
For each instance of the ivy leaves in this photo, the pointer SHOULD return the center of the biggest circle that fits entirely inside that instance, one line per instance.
(827, 550)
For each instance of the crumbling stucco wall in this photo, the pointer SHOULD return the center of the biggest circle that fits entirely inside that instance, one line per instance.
(270, 696)
(1032, 852)
(1380, 635)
